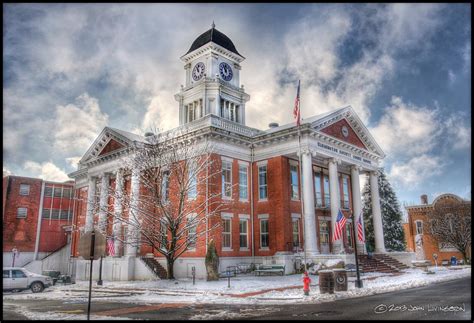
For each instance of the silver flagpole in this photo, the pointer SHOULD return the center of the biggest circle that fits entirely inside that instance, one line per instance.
(301, 182)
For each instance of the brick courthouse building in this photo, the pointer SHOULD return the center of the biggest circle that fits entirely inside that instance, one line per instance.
(262, 220)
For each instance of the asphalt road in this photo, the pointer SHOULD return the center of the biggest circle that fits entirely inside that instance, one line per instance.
(449, 300)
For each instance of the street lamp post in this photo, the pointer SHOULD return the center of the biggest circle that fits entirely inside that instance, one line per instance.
(358, 282)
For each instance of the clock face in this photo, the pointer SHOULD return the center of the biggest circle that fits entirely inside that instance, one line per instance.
(345, 131)
(226, 71)
(198, 71)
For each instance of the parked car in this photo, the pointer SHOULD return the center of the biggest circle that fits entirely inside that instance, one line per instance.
(16, 278)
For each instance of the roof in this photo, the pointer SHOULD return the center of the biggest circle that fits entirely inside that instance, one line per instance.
(215, 36)
(129, 135)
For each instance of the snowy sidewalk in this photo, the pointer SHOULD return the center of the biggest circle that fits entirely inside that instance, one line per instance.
(243, 289)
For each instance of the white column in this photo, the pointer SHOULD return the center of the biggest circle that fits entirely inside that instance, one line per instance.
(117, 224)
(103, 205)
(335, 201)
(90, 205)
(377, 214)
(310, 237)
(357, 204)
(133, 232)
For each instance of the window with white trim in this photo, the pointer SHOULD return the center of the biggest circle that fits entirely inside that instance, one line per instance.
(226, 233)
(345, 191)
(296, 232)
(262, 182)
(165, 187)
(48, 191)
(192, 235)
(21, 212)
(192, 177)
(294, 182)
(243, 230)
(24, 189)
(264, 234)
(317, 189)
(419, 227)
(243, 182)
(163, 235)
(226, 179)
(327, 196)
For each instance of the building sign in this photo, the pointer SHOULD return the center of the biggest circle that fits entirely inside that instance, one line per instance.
(344, 153)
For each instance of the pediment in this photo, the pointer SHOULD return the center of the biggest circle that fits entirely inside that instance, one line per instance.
(343, 131)
(109, 140)
(111, 146)
(355, 132)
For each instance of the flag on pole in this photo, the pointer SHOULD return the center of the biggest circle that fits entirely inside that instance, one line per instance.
(360, 229)
(296, 109)
(110, 247)
(339, 226)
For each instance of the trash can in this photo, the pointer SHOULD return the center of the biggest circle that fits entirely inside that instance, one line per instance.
(453, 261)
(326, 281)
(340, 280)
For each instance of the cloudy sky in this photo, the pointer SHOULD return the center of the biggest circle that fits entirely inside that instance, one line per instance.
(71, 69)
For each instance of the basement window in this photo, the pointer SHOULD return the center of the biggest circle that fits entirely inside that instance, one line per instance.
(21, 212)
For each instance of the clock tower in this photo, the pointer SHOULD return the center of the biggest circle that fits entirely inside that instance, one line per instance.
(212, 86)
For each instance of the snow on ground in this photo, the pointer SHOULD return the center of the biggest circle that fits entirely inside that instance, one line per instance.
(217, 292)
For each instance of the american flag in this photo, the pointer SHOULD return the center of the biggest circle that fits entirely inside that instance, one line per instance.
(360, 229)
(110, 247)
(340, 222)
(296, 109)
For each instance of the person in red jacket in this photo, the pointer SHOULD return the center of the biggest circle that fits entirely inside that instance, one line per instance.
(306, 282)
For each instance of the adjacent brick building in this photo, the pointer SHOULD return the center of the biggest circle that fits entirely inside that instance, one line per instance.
(417, 236)
(37, 216)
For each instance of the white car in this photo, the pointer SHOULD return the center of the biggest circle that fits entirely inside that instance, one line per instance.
(16, 278)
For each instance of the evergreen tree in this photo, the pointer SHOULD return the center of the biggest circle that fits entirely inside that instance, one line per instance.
(391, 216)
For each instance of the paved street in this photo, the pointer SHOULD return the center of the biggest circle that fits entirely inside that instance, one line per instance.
(440, 301)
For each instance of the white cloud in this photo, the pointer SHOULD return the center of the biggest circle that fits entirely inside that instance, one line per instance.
(407, 129)
(47, 171)
(77, 125)
(451, 77)
(6, 171)
(73, 161)
(457, 133)
(412, 174)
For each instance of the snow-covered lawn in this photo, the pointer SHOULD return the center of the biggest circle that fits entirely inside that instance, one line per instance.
(243, 290)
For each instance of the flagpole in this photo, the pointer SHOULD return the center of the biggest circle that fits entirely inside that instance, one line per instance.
(358, 282)
(301, 178)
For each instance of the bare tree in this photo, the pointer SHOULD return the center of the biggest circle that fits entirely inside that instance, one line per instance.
(175, 205)
(450, 224)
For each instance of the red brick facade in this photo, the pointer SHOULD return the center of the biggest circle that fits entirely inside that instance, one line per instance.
(20, 230)
(279, 207)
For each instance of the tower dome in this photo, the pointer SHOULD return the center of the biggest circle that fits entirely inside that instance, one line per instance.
(213, 35)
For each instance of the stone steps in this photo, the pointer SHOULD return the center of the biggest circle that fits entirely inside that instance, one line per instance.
(156, 267)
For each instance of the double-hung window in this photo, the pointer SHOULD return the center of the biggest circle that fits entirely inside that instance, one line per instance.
(192, 178)
(165, 187)
(294, 182)
(327, 199)
(226, 179)
(21, 212)
(262, 182)
(24, 189)
(345, 191)
(264, 234)
(226, 232)
(419, 227)
(243, 182)
(296, 232)
(317, 189)
(243, 230)
(192, 236)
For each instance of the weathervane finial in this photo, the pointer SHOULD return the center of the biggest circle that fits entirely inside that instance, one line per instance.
(213, 24)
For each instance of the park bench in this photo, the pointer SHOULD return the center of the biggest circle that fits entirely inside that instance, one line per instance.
(270, 269)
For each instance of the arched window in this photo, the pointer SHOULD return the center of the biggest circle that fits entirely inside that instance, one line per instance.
(419, 227)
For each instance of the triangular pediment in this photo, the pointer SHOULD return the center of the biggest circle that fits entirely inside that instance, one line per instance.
(110, 140)
(111, 146)
(344, 125)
